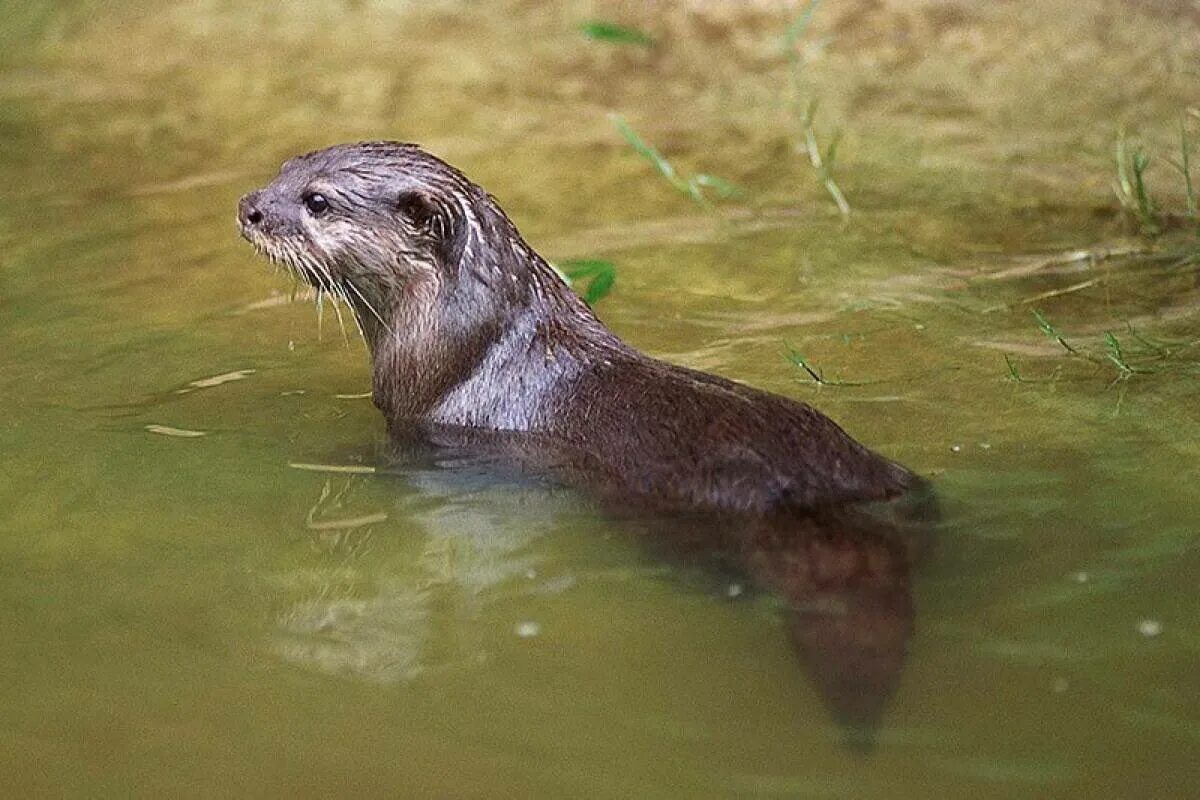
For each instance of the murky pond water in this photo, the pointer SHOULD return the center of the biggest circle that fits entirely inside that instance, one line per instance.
(198, 615)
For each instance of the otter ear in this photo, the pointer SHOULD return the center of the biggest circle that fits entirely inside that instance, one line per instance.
(420, 209)
(438, 221)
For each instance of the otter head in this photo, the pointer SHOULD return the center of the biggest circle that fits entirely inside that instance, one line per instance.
(433, 270)
(368, 223)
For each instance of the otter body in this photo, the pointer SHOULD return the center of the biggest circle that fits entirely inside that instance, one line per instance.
(469, 327)
(481, 350)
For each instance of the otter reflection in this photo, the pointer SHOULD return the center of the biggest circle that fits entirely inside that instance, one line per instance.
(842, 573)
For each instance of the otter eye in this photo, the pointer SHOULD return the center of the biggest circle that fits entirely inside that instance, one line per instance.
(316, 203)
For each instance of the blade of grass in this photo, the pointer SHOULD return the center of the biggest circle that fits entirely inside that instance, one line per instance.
(807, 113)
(347, 469)
(1116, 356)
(1141, 162)
(690, 186)
(1132, 192)
(722, 187)
(603, 31)
(1185, 155)
(794, 356)
(601, 275)
(1053, 332)
(1012, 370)
(799, 27)
(1124, 186)
(181, 433)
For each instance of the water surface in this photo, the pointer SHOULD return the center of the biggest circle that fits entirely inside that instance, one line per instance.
(191, 615)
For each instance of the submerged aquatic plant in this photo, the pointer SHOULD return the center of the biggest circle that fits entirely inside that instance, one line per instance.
(794, 356)
(1131, 186)
(1116, 356)
(806, 111)
(1136, 355)
(1053, 332)
(1013, 373)
(816, 373)
(1184, 166)
(691, 185)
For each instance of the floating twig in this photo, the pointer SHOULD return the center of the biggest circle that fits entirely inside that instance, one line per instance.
(346, 469)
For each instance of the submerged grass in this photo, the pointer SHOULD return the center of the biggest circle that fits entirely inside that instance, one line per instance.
(806, 110)
(1137, 355)
(1133, 191)
(822, 158)
(691, 185)
(1131, 186)
(1054, 333)
(1184, 166)
(815, 373)
(1117, 357)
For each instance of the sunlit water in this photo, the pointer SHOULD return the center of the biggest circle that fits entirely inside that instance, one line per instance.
(195, 615)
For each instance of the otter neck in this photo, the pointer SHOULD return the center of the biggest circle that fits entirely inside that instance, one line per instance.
(485, 348)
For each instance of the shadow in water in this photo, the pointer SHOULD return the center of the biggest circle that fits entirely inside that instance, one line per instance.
(843, 574)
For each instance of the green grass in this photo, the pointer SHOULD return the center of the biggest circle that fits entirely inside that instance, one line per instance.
(821, 159)
(599, 276)
(1013, 374)
(1053, 332)
(612, 33)
(794, 356)
(1115, 358)
(816, 374)
(1132, 187)
(1184, 166)
(691, 185)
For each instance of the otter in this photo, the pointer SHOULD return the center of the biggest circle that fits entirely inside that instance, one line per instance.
(470, 329)
(483, 353)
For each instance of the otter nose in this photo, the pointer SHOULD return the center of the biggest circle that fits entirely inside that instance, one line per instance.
(248, 210)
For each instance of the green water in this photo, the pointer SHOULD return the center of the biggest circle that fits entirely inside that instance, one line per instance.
(191, 616)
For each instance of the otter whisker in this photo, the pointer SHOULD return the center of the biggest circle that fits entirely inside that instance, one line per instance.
(365, 302)
(316, 268)
(317, 275)
(320, 303)
(353, 313)
(324, 270)
(337, 309)
(306, 269)
(301, 268)
(339, 292)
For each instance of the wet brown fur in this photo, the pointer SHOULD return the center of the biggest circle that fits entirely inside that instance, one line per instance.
(468, 326)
